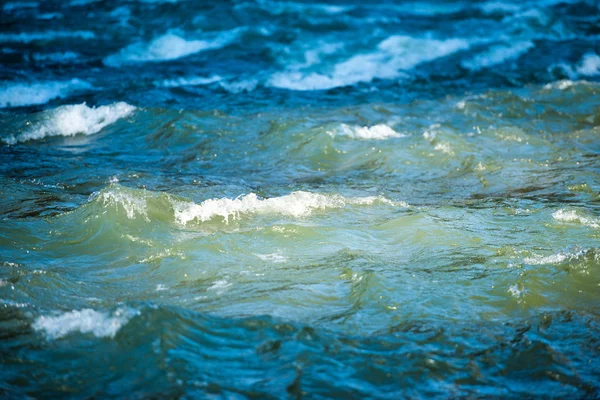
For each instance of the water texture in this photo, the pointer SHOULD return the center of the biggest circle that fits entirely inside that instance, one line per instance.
(268, 199)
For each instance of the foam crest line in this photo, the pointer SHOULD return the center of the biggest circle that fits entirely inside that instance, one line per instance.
(393, 56)
(17, 94)
(296, 204)
(73, 119)
(100, 324)
(375, 132)
(169, 46)
(573, 216)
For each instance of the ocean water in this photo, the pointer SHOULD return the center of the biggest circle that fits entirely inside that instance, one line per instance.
(294, 199)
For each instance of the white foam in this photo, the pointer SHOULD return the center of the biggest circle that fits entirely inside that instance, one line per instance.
(74, 119)
(25, 94)
(541, 260)
(444, 147)
(563, 215)
(189, 81)
(100, 324)
(497, 55)
(517, 290)
(393, 55)
(220, 286)
(166, 47)
(561, 85)
(239, 86)
(296, 204)
(28, 37)
(276, 258)
(375, 132)
(589, 65)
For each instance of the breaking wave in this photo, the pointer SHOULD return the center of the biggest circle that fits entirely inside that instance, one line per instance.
(73, 119)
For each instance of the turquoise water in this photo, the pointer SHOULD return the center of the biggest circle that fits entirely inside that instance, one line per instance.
(287, 200)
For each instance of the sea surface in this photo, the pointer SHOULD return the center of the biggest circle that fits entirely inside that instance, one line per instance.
(285, 199)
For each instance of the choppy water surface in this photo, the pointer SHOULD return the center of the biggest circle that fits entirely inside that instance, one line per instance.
(287, 199)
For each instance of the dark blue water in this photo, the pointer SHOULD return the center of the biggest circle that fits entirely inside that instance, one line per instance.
(269, 199)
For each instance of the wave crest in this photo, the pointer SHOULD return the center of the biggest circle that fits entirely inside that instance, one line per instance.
(100, 324)
(74, 119)
(138, 203)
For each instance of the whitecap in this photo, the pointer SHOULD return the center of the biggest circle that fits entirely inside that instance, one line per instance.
(497, 55)
(560, 85)
(220, 286)
(541, 260)
(166, 47)
(276, 258)
(73, 119)
(296, 204)
(517, 290)
(100, 324)
(239, 86)
(563, 215)
(375, 132)
(25, 94)
(161, 288)
(589, 65)
(394, 55)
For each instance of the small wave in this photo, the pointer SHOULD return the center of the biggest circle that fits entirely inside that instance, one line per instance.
(116, 202)
(276, 258)
(132, 204)
(588, 66)
(296, 204)
(189, 81)
(394, 55)
(499, 7)
(375, 132)
(28, 37)
(74, 119)
(284, 7)
(566, 84)
(498, 55)
(25, 94)
(166, 47)
(100, 324)
(563, 215)
(239, 86)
